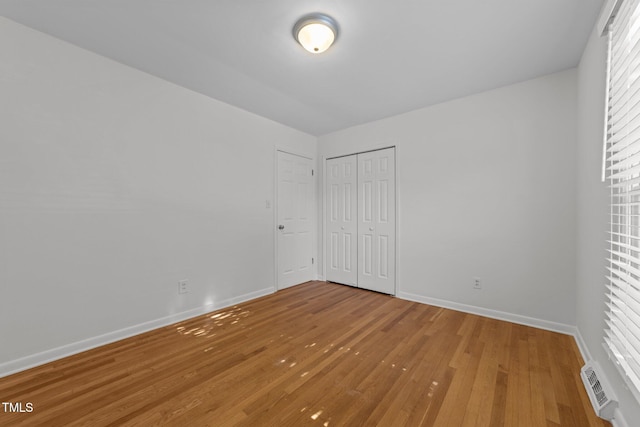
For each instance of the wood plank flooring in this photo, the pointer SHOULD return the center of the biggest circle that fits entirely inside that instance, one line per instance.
(317, 354)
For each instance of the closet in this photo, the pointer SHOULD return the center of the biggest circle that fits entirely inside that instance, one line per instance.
(361, 220)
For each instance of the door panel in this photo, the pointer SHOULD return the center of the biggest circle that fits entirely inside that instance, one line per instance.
(295, 201)
(376, 225)
(348, 248)
(341, 220)
(367, 262)
(383, 257)
(367, 202)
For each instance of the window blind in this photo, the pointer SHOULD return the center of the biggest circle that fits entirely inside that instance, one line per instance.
(622, 331)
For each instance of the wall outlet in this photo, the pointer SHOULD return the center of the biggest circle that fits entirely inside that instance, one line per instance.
(183, 286)
(476, 283)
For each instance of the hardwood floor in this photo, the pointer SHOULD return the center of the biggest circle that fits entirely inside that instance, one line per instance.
(317, 354)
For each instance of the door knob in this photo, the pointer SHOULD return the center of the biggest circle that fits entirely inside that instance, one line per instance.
(281, 227)
(370, 228)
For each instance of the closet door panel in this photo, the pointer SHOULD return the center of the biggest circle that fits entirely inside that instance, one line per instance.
(342, 220)
(376, 224)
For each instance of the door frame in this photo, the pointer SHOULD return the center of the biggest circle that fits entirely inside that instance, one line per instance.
(314, 209)
(322, 270)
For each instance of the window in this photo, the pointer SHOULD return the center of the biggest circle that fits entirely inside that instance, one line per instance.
(622, 162)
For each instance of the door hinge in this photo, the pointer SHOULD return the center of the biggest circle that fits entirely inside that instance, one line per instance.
(311, 172)
(312, 260)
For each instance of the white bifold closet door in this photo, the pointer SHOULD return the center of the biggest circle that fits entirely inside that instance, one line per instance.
(342, 220)
(361, 220)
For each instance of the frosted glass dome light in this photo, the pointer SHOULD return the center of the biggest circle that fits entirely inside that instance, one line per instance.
(315, 32)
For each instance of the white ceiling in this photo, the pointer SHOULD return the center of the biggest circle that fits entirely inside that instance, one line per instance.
(392, 56)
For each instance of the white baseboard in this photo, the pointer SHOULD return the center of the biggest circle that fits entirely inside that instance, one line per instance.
(582, 346)
(494, 314)
(618, 419)
(51, 355)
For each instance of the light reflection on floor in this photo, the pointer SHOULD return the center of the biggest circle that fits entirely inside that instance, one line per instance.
(432, 388)
(234, 318)
(230, 317)
(318, 414)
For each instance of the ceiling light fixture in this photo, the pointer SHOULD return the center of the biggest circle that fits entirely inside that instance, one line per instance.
(316, 32)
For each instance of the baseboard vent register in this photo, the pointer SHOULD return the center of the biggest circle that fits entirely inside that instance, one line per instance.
(602, 398)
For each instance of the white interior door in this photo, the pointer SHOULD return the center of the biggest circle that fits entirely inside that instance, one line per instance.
(295, 220)
(342, 220)
(376, 220)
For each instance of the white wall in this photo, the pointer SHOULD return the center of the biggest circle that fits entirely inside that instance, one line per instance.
(114, 185)
(486, 188)
(592, 218)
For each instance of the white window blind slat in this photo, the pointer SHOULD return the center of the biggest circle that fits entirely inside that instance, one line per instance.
(622, 166)
(615, 234)
(614, 347)
(630, 204)
(626, 314)
(625, 278)
(631, 157)
(625, 198)
(622, 245)
(624, 262)
(625, 183)
(621, 20)
(621, 65)
(626, 122)
(624, 69)
(621, 267)
(631, 354)
(625, 173)
(621, 146)
(621, 226)
(616, 289)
